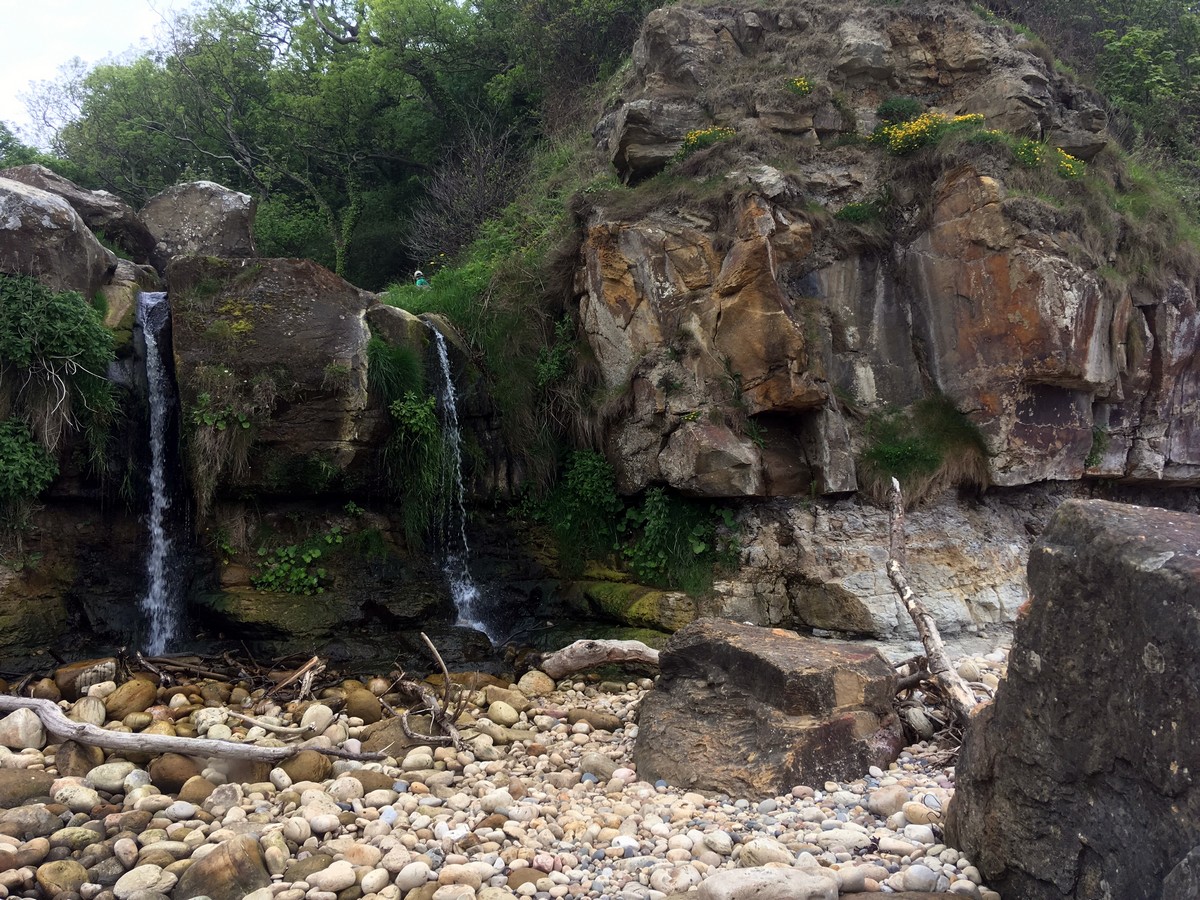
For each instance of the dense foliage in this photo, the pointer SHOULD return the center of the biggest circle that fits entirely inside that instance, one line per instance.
(354, 123)
(666, 540)
(54, 355)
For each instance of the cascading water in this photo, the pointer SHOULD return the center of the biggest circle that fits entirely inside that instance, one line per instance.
(468, 598)
(161, 604)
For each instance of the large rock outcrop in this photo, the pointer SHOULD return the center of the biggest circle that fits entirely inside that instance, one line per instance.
(274, 348)
(750, 712)
(1078, 780)
(199, 217)
(41, 235)
(746, 333)
(101, 211)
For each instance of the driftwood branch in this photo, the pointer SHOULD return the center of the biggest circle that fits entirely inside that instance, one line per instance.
(63, 729)
(958, 695)
(583, 655)
(444, 713)
(450, 733)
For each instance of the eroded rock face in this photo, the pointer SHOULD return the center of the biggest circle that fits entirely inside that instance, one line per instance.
(703, 338)
(1076, 781)
(41, 235)
(283, 342)
(743, 335)
(200, 218)
(749, 711)
(100, 210)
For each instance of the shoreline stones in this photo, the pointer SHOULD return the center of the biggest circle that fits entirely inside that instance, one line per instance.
(549, 806)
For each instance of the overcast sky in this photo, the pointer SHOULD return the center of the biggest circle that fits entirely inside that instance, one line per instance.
(38, 36)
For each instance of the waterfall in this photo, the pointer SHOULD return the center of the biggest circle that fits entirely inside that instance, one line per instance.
(468, 598)
(161, 604)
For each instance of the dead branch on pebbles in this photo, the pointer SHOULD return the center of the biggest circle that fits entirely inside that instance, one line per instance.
(62, 728)
(959, 696)
(585, 654)
(443, 712)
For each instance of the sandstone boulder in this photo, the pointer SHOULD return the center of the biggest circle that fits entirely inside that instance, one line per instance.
(20, 785)
(103, 212)
(1076, 782)
(802, 710)
(199, 218)
(41, 235)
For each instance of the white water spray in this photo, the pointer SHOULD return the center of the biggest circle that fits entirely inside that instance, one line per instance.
(160, 604)
(468, 599)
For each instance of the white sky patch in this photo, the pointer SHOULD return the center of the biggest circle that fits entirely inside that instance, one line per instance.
(39, 36)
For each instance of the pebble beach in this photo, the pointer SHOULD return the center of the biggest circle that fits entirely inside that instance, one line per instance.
(544, 802)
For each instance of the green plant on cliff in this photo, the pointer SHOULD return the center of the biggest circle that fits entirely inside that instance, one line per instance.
(927, 447)
(671, 541)
(416, 460)
(393, 370)
(26, 469)
(54, 353)
(582, 511)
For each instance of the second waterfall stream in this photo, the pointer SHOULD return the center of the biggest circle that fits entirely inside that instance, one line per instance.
(467, 596)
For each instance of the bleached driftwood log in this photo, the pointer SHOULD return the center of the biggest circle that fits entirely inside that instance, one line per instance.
(64, 729)
(583, 655)
(958, 694)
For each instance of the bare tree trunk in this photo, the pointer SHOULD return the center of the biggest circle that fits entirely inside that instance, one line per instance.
(62, 728)
(958, 693)
(583, 655)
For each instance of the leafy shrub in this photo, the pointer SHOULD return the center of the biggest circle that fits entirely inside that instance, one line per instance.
(674, 542)
(293, 569)
(897, 110)
(54, 352)
(1029, 153)
(583, 510)
(666, 540)
(26, 469)
(800, 86)
(927, 448)
(557, 360)
(417, 463)
(1068, 166)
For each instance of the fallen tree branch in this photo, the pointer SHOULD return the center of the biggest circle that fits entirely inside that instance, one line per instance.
(585, 654)
(62, 728)
(450, 733)
(296, 731)
(959, 696)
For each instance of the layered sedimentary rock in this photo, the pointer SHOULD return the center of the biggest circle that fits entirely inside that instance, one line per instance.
(745, 333)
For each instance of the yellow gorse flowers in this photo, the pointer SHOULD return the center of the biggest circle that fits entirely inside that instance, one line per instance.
(800, 85)
(905, 137)
(700, 138)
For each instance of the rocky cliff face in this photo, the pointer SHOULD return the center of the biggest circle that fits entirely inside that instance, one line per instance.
(753, 309)
(736, 298)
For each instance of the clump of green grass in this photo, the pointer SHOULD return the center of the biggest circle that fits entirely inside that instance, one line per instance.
(928, 447)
